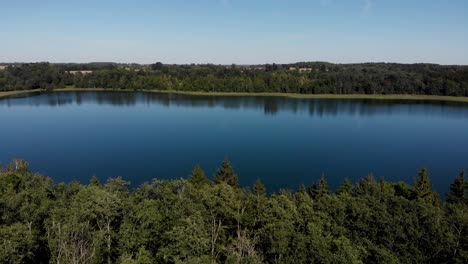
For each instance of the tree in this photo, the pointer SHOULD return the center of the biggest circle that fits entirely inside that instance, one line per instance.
(142, 257)
(17, 244)
(143, 226)
(171, 221)
(367, 186)
(312, 77)
(458, 189)
(94, 182)
(345, 188)
(403, 189)
(198, 176)
(302, 189)
(319, 189)
(423, 187)
(258, 188)
(457, 217)
(117, 185)
(226, 174)
(157, 66)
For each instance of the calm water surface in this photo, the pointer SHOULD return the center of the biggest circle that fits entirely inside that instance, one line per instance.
(285, 142)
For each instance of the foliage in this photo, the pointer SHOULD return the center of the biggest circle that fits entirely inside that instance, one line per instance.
(423, 188)
(195, 221)
(458, 190)
(226, 174)
(258, 188)
(345, 187)
(198, 177)
(303, 78)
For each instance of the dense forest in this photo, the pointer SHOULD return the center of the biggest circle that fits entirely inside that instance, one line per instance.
(212, 220)
(304, 78)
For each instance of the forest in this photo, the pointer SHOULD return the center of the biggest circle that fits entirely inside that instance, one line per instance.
(204, 219)
(302, 78)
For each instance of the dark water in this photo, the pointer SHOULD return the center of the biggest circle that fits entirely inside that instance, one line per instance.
(285, 142)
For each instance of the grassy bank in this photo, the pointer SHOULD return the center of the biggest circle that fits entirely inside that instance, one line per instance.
(10, 93)
(328, 96)
(290, 95)
(295, 95)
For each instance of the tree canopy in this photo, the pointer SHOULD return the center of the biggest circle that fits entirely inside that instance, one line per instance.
(458, 190)
(303, 78)
(198, 221)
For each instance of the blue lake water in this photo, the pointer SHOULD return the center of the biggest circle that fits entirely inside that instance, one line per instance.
(283, 141)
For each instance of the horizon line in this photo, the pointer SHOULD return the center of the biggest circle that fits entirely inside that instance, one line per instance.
(237, 64)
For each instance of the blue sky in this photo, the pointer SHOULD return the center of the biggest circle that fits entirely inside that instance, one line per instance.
(235, 31)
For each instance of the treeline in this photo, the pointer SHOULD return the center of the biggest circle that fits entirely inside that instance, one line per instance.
(199, 220)
(304, 78)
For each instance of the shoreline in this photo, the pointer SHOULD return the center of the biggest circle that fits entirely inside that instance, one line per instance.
(287, 95)
(10, 93)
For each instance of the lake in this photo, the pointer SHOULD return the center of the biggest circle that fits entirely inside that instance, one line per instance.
(283, 141)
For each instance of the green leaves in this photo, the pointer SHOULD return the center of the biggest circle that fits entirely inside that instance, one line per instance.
(198, 177)
(458, 190)
(304, 78)
(423, 188)
(226, 174)
(17, 244)
(345, 187)
(258, 188)
(319, 189)
(193, 221)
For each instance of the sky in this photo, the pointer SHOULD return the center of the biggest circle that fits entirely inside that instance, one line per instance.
(234, 31)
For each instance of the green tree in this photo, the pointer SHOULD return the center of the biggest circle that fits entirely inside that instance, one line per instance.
(143, 256)
(278, 228)
(171, 221)
(457, 218)
(198, 177)
(346, 187)
(403, 189)
(367, 186)
(458, 189)
(258, 188)
(319, 189)
(302, 189)
(423, 187)
(226, 174)
(143, 226)
(84, 229)
(17, 244)
(157, 66)
(94, 182)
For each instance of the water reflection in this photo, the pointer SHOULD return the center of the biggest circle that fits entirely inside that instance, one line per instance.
(269, 105)
(283, 141)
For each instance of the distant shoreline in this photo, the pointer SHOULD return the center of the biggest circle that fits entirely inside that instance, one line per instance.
(10, 93)
(289, 95)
